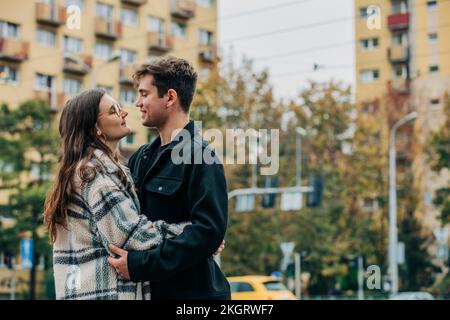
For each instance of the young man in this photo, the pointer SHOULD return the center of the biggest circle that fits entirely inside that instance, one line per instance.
(182, 267)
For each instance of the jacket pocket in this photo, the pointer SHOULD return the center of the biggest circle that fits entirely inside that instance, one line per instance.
(163, 185)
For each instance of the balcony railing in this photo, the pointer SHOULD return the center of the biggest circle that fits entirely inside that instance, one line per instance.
(158, 41)
(50, 14)
(13, 50)
(135, 2)
(208, 53)
(126, 74)
(401, 86)
(184, 9)
(55, 101)
(398, 21)
(398, 54)
(81, 67)
(108, 29)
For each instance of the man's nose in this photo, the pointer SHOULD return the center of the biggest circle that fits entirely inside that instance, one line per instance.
(138, 102)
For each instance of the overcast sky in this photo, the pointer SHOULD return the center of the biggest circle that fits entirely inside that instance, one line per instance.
(291, 72)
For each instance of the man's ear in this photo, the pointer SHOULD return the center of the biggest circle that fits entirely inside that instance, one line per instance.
(172, 98)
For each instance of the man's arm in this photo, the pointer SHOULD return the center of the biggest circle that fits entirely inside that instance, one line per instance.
(209, 214)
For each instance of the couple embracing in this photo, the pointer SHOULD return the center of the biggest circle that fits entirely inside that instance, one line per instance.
(147, 230)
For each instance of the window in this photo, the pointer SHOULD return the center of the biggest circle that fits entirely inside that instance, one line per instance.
(127, 56)
(241, 287)
(363, 13)
(108, 89)
(432, 37)
(399, 6)
(434, 69)
(428, 198)
(43, 82)
(179, 29)
(205, 3)
(205, 37)
(129, 17)
(155, 24)
(368, 76)
(46, 38)
(434, 102)
(72, 44)
(40, 170)
(72, 86)
(128, 141)
(400, 39)
(8, 74)
(275, 286)
(103, 10)
(369, 44)
(370, 204)
(103, 50)
(431, 5)
(399, 72)
(9, 30)
(128, 96)
(78, 3)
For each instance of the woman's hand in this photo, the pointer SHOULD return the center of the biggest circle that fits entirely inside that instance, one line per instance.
(220, 249)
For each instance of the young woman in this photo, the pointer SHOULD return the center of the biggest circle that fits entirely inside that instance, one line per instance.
(93, 204)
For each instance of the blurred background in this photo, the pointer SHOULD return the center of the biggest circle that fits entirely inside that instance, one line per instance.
(359, 90)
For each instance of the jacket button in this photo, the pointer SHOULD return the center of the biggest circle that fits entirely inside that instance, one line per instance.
(159, 188)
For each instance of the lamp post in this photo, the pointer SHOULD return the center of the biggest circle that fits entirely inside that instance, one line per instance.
(392, 250)
(299, 131)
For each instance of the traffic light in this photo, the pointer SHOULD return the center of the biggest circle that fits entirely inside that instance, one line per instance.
(314, 198)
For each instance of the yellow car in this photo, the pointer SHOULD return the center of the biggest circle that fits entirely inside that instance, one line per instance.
(258, 288)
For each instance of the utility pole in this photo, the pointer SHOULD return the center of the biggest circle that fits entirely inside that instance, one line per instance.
(298, 275)
(360, 278)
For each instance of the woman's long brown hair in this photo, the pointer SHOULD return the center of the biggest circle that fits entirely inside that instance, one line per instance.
(79, 139)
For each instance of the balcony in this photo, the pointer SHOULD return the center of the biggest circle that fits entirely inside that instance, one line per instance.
(81, 67)
(158, 41)
(126, 74)
(108, 29)
(13, 50)
(50, 14)
(208, 53)
(400, 86)
(398, 54)
(398, 21)
(134, 2)
(184, 9)
(54, 101)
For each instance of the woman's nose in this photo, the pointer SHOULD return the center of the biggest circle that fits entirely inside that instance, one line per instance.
(124, 114)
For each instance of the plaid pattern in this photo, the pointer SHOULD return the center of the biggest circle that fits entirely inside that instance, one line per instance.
(103, 212)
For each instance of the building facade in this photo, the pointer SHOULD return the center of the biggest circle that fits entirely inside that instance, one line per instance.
(403, 65)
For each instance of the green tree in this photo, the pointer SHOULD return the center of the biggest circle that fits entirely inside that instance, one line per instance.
(28, 135)
(440, 160)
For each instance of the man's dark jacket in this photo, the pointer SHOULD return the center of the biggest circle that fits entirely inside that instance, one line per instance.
(182, 267)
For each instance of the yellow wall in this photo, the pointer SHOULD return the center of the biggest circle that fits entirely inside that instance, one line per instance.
(49, 60)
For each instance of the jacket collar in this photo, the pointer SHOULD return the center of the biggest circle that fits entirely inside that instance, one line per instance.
(190, 127)
(105, 161)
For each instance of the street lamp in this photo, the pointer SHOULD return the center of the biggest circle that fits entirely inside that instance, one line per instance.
(392, 250)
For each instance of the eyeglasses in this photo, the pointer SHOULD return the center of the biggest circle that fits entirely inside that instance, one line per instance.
(117, 109)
